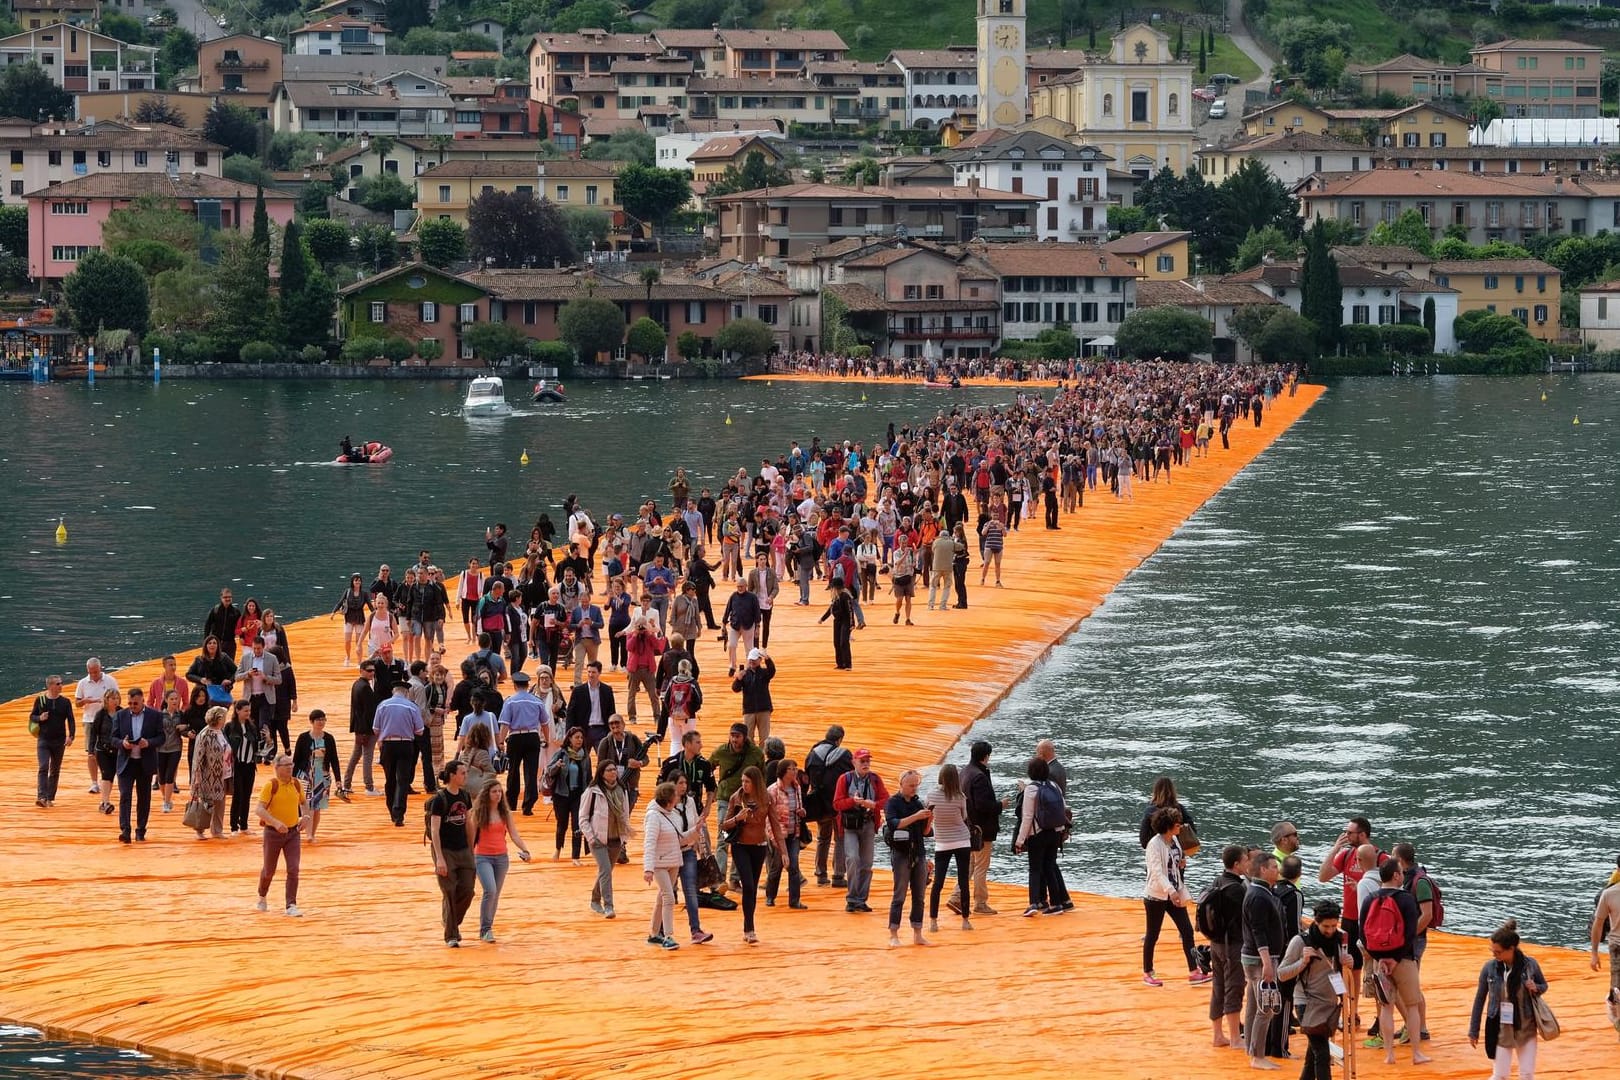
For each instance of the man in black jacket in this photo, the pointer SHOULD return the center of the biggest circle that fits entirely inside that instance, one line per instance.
(362, 711)
(1224, 901)
(590, 705)
(753, 682)
(221, 623)
(385, 585)
(955, 508)
(983, 810)
(1263, 944)
(827, 761)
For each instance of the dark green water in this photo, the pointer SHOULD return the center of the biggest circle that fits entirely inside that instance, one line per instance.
(25, 1054)
(1406, 609)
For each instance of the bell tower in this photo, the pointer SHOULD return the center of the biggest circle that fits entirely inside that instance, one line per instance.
(1003, 66)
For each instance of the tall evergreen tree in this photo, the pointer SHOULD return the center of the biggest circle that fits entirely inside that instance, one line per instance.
(295, 260)
(1321, 295)
(261, 224)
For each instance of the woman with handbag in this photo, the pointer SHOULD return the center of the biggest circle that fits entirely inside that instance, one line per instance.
(905, 826)
(210, 777)
(749, 828)
(661, 864)
(1509, 999)
(479, 757)
(604, 820)
(1166, 893)
(1164, 797)
(694, 835)
(242, 732)
(953, 839)
(1318, 961)
(106, 747)
(786, 799)
(315, 757)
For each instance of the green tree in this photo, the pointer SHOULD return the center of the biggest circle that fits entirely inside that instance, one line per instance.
(1192, 203)
(646, 339)
(384, 193)
(651, 194)
(627, 144)
(513, 228)
(1429, 318)
(441, 241)
(863, 170)
(242, 296)
(495, 342)
(107, 292)
(650, 276)
(1321, 296)
(405, 15)
(151, 218)
(1485, 331)
(1248, 321)
(177, 52)
(591, 325)
(233, 127)
(312, 200)
(182, 298)
(586, 226)
(159, 110)
(689, 344)
(307, 296)
(261, 226)
(1287, 338)
(14, 230)
(375, 247)
(27, 90)
(125, 28)
(328, 241)
(1253, 198)
(1124, 220)
(1259, 242)
(1203, 58)
(245, 170)
(1167, 331)
(756, 172)
(748, 338)
(1408, 230)
(430, 349)
(1431, 27)
(152, 256)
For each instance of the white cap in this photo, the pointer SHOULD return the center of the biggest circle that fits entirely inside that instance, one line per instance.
(755, 654)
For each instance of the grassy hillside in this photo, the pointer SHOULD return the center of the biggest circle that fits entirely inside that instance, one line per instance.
(1378, 33)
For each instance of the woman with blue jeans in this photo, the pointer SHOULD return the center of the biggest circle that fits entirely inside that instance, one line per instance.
(488, 826)
(753, 829)
(787, 805)
(689, 823)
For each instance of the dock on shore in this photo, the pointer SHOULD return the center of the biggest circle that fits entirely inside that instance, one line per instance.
(157, 946)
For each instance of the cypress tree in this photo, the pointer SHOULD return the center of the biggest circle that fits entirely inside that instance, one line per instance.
(1321, 296)
(261, 224)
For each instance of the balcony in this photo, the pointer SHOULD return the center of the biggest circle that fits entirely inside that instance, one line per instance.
(947, 333)
(1089, 199)
(241, 65)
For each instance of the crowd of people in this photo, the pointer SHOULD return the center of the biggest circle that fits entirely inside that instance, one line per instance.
(1001, 369)
(498, 735)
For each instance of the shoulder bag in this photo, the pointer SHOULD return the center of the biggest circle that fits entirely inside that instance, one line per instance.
(197, 815)
(33, 718)
(1546, 1023)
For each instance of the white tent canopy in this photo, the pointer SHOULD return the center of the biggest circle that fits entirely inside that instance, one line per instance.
(1543, 131)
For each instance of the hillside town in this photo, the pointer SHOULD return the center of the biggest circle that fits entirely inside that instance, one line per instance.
(453, 185)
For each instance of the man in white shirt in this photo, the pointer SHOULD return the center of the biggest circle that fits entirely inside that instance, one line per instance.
(88, 695)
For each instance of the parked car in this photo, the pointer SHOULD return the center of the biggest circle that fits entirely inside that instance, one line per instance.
(1206, 93)
(1217, 109)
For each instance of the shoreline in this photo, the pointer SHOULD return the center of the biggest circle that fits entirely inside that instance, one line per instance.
(224, 989)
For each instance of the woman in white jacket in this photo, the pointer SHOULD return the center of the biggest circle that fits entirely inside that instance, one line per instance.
(1166, 894)
(661, 863)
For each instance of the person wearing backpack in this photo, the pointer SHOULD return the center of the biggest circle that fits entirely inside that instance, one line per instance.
(1431, 906)
(1220, 919)
(858, 798)
(682, 700)
(1388, 930)
(1043, 821)
(827, 761)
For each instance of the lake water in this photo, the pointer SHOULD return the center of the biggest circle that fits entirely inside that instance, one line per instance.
(1406, 608)
(25, 1054)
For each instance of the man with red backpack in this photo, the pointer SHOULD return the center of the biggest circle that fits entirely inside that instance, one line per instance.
(1389, 925)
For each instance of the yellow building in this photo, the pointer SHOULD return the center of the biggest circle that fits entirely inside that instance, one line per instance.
(1527, 289)
(1135, 105)
(445, 191)
(1286, 116)
(711, 160)
(1157, 256)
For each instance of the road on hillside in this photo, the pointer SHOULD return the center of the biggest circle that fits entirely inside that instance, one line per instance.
(191, 15)
(1213, 131)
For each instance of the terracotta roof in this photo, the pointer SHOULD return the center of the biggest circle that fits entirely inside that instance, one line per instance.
(1536, 45)
(1141, 243)
(835, 250)
(752, 282)
(1034, 146)
(1288, 275)
(597, 41)
(857, 297)
(850, 193)
(564, 285)
(1367, 254)
(588, 84)
(554, 167)
(1053, 260)
(1577, 151)
(1182, 294)
(1453, 267)
(474, 54)
(398, 271)
(676, 38)
(297, 67)
(134, 185)
(1289, 141)
(106, 137)
(760, 87)
(1606, 287)
(887, 256)
(334, 25)
(311, 94)
(1403, 62)
(801, 40)
(1416, 183)
(1057, 59)
(966, 57)
(729, 146)
(661, 64)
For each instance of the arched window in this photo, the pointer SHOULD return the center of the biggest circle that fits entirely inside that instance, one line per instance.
(917, 101)
(1108, 104)
(1175, 105)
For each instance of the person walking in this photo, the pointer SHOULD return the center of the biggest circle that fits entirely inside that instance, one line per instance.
(604, 820)
(1505, 997)
(1318, 963)
(1389, 922)
(1166, 893)
(137, 733)
(953, 839)
(858, 799)
(662, 854)
(523, 716)
(398, 723)
(1043, 819)
(569, 773)
(786, 799)
(362, 717)
(905, 829)
(488, 827)
(750, 828)
(827, 761)
(903, 575)
(841, 610)
(242, 733)
(734, 756)
(315, 758)
(281, 809)
(1262, 949)
(446, 833)
(959, 563)
(211, 773)
(170, 749)
(51, 722)
(984, 814)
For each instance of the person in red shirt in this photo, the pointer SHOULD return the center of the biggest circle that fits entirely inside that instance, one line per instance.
(1341, 859)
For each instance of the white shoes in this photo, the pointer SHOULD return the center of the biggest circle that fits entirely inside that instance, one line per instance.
(261, 905)
(294, 911)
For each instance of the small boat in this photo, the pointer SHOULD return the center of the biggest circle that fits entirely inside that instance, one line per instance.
(375, 454)
(549, 392)
(936, 384)
(486, 396)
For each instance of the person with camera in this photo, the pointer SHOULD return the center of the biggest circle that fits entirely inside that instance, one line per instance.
(857, 799)
(905, 826)
(1318, 963)
(750, 829)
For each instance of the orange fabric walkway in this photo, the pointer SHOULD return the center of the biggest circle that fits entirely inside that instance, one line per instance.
(976, 381)
(156, 946)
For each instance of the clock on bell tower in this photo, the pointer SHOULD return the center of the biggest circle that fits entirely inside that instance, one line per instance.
(1003, 67)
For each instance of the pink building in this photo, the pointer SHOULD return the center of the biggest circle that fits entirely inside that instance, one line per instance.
(65, 220)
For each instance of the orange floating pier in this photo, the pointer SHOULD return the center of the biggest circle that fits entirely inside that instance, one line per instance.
(157, 946)
(975, 382)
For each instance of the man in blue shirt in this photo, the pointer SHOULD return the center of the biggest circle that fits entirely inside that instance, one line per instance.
(521, 718)
(397, 724)
(660, 582)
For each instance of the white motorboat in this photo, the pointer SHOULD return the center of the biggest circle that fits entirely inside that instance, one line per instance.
(486, 396)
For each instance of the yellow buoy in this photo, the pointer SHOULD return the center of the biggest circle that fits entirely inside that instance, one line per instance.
(728, 419)
(1577, 421)
(524, 460)
(863, 395)
(1544, 395)
(61, 531)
